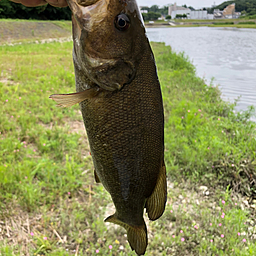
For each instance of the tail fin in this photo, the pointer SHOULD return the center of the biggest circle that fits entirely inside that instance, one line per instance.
(137, 235)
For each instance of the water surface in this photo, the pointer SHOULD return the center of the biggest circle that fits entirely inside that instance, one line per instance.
(227, 54)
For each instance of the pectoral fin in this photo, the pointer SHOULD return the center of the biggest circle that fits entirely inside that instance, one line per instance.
(155, 204)
(137, 235)
(68, 100)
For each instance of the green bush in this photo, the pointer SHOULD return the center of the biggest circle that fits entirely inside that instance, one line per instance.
(180, 16)
(224, 23)
(151, 16)
(247, 22)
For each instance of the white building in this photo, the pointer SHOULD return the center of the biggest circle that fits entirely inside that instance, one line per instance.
(200, 15)
(180, 12)
(210, 16)
(174, 10)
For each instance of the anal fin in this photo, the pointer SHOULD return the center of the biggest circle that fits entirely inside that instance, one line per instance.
(155, 204)
(137, 235)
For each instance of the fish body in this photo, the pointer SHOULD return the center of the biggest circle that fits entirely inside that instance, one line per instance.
(121, 104)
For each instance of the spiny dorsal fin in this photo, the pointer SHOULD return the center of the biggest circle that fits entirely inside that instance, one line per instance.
(137, 235)
(68, 100)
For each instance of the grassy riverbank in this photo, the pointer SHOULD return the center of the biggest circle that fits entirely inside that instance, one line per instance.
(15, 31)
(235, 23)
(49, 202)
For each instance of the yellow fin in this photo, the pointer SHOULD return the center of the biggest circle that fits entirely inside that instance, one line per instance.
(137, 235)
(68, 100)
(96, 177)
(155, 204)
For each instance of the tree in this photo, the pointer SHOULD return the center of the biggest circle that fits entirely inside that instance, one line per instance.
(210, 10)
(154, 8)
(168, 17)
(164, 10)
(145, 8)
(241, 5)
(151, 16)
(46, 12)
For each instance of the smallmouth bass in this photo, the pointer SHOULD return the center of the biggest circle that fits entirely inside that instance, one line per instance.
(121, 103)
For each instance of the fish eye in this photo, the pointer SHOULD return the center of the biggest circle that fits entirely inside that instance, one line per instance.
(122, 22)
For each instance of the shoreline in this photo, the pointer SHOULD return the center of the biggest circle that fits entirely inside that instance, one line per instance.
(209, 23)
(166, 25)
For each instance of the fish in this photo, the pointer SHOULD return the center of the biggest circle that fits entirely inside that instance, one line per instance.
(121, 103)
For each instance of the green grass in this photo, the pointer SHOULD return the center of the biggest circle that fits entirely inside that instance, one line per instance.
(202, 130)
(236, 23)
(205, 25)
(203, 21)
(234, 26)
(223, 23)
(247, 22)
(248, 17)
(49, 200)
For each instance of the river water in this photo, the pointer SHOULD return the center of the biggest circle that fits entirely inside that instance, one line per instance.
(226, 54)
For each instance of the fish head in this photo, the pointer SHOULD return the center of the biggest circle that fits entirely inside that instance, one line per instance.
(108, 38)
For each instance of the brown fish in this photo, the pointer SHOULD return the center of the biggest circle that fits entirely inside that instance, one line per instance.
(121, 104)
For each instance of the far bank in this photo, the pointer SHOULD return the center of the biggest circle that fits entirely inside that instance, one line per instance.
(237, 23)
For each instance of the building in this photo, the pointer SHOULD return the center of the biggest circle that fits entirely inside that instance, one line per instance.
(218, 14)
(229, 11)
(174, 10)
(195, 15)
(200, 15)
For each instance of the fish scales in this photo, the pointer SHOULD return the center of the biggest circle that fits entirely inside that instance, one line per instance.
(126, 128)
(121, 103)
